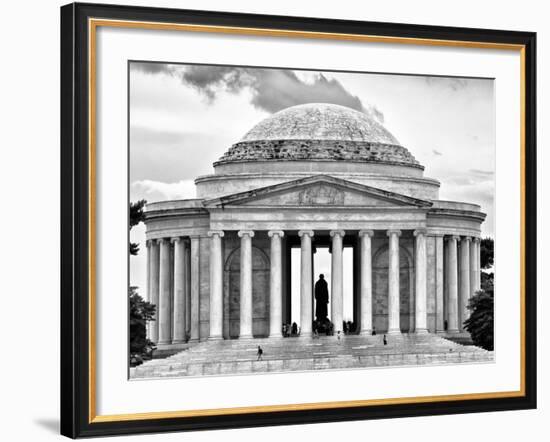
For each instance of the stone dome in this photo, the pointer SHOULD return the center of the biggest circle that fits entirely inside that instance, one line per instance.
(319, 131)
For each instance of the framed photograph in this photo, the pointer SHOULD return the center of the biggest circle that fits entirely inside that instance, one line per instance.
(274, 220)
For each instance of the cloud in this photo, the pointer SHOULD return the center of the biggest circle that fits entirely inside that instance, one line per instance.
(488, 174)
(376, 113)
(271, 89)
(161, 191)
(170, 156)
(436, 152)
(151, 68)
(453, 83)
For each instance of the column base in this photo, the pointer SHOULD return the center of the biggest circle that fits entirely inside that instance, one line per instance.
(164, 342)
(215, 338)
(396, 332)
(276, 336)
(305, 335)
(178, 341)
(193, 340)
(172, 346)
(421, 331)
(245, 337)
(453, 332)
(367, 332)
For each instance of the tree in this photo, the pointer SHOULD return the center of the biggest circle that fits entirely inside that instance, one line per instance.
(481, 320)
(487, 250)
(141, 312)
(136, 216)
(487, 282)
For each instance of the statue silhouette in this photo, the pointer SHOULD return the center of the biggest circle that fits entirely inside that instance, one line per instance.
(321, 296)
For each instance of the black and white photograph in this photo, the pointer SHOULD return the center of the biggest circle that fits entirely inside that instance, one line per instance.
(274, 221)
(290, 220)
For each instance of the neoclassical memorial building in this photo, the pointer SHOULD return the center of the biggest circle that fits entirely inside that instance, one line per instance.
(313, 175)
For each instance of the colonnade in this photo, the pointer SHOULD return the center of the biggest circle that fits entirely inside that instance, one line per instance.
(174, 279)
(173, 287)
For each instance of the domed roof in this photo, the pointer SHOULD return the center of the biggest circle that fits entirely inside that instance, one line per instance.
(319, 131)
(320, 121)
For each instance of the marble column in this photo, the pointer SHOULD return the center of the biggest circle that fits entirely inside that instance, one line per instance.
(473, 266)
(421, 299)
(178, 329)
(478, 263)
(475, 278)
(439, 308)
(393, 283)
(187, 289)
(452, 308)
(246, 284)
(337, 280)
(216, 285)
(464, 279)
(276, 285)
(194, 287)
(306, 283)
(165, 305)
(366, 281)
(148, 282)
(154, 289)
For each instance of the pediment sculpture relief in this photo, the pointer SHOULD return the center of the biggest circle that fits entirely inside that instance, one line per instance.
(321, 195)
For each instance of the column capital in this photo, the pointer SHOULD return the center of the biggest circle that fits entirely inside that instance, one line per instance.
(272, 233)
(249, 233)
(476, 239)
(219, 233)
(334, 233)
(162, 240)
(309, 233)
(369, 233)
(194, 236)
(421, 231)
(453, 237)
(466, 238)
(148, 242)
(176, 239)
(391, 232)
(437, 235)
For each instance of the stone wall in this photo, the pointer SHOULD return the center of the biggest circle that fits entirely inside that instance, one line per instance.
(307, 149)
(260, 285)
(380, 283)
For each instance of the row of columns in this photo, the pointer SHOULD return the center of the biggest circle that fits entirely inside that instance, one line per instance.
(176, 317)
(421, 319)
(468, 284)
(306, 282)
(461, 285)
(184, 323)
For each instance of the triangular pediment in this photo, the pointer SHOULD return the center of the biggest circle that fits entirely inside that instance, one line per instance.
(317, 191)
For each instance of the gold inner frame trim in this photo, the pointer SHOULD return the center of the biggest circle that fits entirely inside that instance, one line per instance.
(93, 24)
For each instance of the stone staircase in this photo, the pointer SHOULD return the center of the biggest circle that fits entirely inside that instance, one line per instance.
(300, 354)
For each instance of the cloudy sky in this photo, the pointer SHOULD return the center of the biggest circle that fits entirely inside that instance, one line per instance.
(184, 117)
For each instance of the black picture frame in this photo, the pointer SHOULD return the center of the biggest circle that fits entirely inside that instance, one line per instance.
(76, 402)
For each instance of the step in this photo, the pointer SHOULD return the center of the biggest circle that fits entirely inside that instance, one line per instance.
(299, 354)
